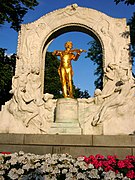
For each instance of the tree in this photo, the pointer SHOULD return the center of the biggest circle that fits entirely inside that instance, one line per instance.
(127, 2)
(13, 11)
(7, 69)
(52, 82)
(80, 94)
(95, 54)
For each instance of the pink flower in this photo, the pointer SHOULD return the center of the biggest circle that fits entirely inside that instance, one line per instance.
(130, 157)
(130, 174)
(105, 163)
(98, 164)
(109, 168)
(116, 171)
(5, 152)
(114, 164)
(112, 159)
(121, 164)
(91, 157)
(86, 159)
(128, 163)
(99, 156)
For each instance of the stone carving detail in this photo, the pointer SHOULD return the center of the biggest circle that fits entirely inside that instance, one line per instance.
(31, 111)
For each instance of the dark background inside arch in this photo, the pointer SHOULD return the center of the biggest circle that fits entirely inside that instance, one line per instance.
(84, 68)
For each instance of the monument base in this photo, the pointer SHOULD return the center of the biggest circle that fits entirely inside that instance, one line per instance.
(66, 121)
(65, 128)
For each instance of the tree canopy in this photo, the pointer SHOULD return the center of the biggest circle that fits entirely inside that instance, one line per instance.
(7, 69)
(95, 55)
(52, 82)
(13, 11)
(127, 2)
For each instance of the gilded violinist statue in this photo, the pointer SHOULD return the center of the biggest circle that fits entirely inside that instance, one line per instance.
(65, 69)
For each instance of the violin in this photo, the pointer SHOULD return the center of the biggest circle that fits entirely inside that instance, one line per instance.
(77, 51)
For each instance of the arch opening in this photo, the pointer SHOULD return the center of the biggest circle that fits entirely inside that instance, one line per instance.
(89, 65)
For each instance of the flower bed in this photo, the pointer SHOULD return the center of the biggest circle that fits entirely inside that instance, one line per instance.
(26, 166)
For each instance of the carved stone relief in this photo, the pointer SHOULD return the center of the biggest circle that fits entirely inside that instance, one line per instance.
(31, 111)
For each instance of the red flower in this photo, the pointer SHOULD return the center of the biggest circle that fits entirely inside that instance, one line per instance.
(121, 164)
(5, 152)
(128, 163)
(99, 156)
(132, 158)
(109, 168)
(86, 159)
(130, 174)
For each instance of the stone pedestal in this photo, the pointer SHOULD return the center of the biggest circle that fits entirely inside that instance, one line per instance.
(66, 121)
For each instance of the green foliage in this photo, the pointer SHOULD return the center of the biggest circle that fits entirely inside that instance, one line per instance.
(127, 2)
(95, 55)
(7, 68)
(52, 82)
(80, 94)
(12, 11)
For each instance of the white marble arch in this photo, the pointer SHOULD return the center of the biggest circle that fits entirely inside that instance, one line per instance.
(31, 111)
(35, 37)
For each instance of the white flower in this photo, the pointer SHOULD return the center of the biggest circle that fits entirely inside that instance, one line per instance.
(80, 158)
(21, 153)
(2, 178)
(5, 166)
(109, 175)
(81, 164)
(81, 176)
(49, 169)
(93, 174)
(90, 166)
(1, 159)
(56, 170)
(22, 160)
(61, 166)
(100, 168)
(48, 156)
(73, 170)
(126, 178)
(49, 177)
(2, 172)
(69, 176)
(20, 171)
(64, 171)
(46, 177)
(26, 166)
(37, 165)
(119, 175)
(13, 174)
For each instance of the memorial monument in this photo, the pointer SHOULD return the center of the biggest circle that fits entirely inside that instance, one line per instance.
(110, 112)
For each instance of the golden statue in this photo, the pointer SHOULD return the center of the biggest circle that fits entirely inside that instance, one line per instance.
(65, 69)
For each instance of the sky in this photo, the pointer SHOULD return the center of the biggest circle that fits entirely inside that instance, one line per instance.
(84, 67)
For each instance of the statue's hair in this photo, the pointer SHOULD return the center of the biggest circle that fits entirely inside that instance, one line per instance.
(68, 43)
